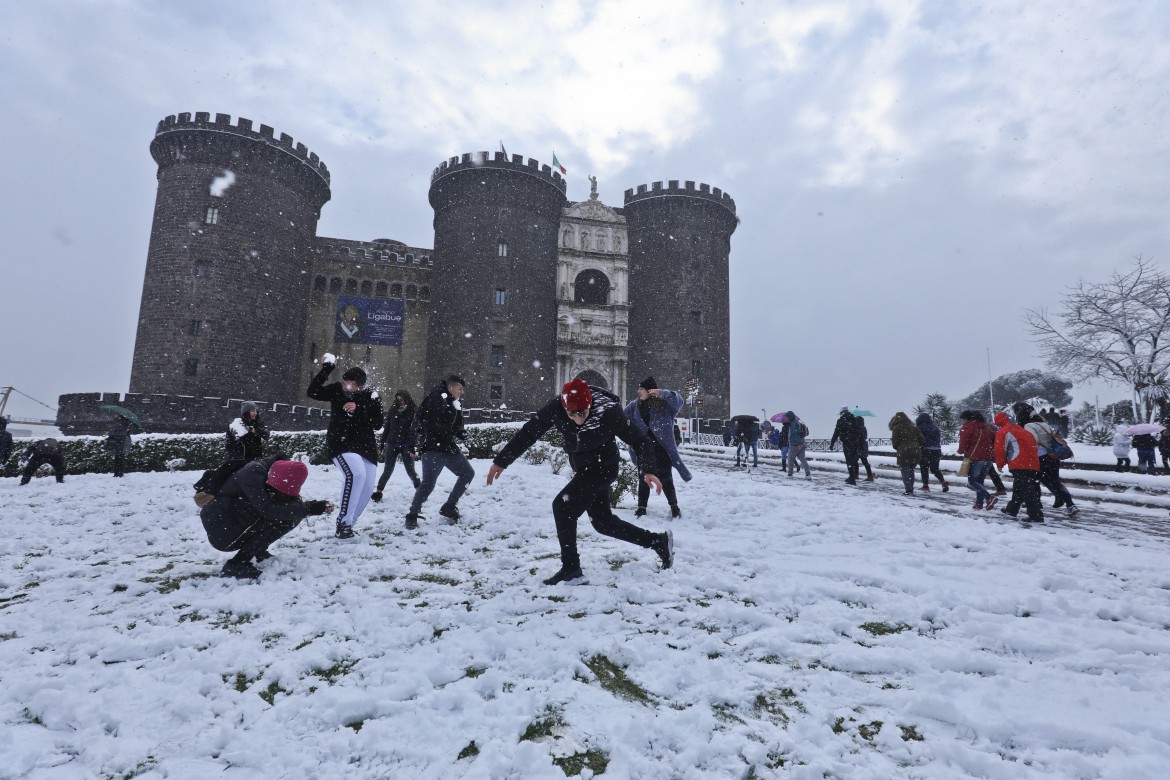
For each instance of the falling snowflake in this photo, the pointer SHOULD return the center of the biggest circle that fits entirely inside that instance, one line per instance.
(536, 364)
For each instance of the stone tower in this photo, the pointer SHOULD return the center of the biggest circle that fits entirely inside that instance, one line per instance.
(228, 268)
(493, 290)
(680, 329)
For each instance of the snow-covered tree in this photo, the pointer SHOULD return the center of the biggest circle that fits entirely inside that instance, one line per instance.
(1117, 330)
(1039, 388)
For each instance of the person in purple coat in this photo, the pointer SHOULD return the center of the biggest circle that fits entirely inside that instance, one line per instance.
(653, 414)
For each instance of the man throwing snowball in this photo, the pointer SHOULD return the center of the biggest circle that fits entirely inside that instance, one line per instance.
(589, 418)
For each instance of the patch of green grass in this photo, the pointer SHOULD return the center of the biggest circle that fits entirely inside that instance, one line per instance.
(5, 603)
(595, 760)
(618, 564)
(557, 599)
(331, 673)
(242, 681)
(119, 588)
(193, 616)
(869, 730)
(305, 643)
(838, 726)
(29, 717)
(911, 734)
(771, 658)
(230, 620)
(438, 632)
(164, 569)
(543, 727)
(269, 693)
(577, 615)
(613, 679)
(470, 751)
(356, 725)
(437, 579)
(772, 705)
(7, 636)
(726, 713)
(474, 671)
(270, 640)
(171, 584)
(384, 578)
(437, 561)
(882, 629)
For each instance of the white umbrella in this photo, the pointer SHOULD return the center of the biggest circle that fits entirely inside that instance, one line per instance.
(1140, 428)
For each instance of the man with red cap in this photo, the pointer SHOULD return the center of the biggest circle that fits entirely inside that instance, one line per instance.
(257, 505)
(589, 419)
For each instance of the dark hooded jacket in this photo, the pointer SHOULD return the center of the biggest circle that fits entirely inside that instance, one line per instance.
(931, 435)
(906, 439)
(118, 441)
(244, 501)
(440, 422)
(590, 445)
(846, 431)
(397, 433)
(661, 426)
(5, 441)
(245, 436)
(349, 432)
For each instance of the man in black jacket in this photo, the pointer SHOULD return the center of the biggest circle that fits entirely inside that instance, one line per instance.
(42, 452)
(440, 423)
(257, 505)
(355, 414)
(589, 419)
(847, 433)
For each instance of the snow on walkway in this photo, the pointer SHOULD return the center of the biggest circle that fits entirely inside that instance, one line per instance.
(804, 631)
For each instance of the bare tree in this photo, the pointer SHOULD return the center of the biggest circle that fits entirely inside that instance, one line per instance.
(1118, 330)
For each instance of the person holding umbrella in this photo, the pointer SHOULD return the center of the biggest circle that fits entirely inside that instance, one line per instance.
(118, 443)
(1146, 445)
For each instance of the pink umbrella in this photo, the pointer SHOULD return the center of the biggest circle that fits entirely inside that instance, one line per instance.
(1140, 428)
(779, 417)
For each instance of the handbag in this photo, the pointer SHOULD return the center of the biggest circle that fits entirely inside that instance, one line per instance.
(1060, 449)
(964, 468)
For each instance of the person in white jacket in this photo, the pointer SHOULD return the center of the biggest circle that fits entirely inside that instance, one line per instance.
(1121, 447)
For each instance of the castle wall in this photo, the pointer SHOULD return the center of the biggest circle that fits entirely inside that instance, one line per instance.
(223, 303)
(390, 279)
(680, 324)
(483, 203)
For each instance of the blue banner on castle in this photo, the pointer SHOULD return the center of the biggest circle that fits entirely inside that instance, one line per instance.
(369, 321)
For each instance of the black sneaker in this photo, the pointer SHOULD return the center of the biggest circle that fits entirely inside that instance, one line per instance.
(263, 555)
(567, 576)
(451, 513)
(376, 496)
(675, 511)
(640, 512)
(241, 570)
(664, 546)
(411, 521)
(344, 531)
(417, 483)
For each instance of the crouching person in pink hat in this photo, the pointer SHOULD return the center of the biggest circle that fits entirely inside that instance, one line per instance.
(257, 505)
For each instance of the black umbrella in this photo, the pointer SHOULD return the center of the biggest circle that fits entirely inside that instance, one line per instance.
(745, 418)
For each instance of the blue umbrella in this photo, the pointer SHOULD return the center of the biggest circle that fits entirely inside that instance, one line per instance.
(858, 412)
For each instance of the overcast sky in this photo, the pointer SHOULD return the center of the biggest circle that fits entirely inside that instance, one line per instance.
(911, 176)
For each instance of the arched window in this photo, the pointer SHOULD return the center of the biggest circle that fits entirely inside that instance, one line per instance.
(351, 286)
(380, 290)
(319, 284)
(396, 290)
(591, 377)
(411, 292)
(367, 288)
(335, 285)
(592, 288)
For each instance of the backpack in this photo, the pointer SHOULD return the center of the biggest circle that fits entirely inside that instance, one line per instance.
(803, 429)
(211, 482)
(1060, 449)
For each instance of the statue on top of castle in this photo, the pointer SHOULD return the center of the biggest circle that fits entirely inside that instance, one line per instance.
(592, 188)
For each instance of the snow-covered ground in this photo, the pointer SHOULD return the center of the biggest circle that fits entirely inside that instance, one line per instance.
(807, 630)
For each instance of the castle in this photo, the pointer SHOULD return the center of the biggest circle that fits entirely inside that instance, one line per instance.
(522, 291)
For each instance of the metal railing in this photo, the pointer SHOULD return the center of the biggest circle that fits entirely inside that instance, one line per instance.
(811, 445)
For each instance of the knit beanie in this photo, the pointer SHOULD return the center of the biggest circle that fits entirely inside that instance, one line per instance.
(648, 384)
(355, 374)
(575, 395)
(287, 476)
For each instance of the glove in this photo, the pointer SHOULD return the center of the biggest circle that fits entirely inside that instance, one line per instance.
(317, 507)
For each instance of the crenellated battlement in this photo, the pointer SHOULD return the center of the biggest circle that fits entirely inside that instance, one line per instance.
(202, 122)
(672, 190)
(499, 160)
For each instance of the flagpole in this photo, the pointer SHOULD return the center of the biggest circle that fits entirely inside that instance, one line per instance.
(990, 386)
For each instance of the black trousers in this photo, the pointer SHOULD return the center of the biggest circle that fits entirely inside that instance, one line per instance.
(665, 475)
(851, 463)
(36, 461)
(391, 459)
(1050, 478)
(1025, 491)
(119, 464)
(930, 465)
(257, 538)
(588, 492)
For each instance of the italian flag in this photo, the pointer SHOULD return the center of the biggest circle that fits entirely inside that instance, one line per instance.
(558, 166)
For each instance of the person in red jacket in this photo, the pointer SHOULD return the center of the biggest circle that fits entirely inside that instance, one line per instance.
(977, 443)
(1016, 448)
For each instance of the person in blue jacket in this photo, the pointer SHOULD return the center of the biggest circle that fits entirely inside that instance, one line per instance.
(653, 414)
